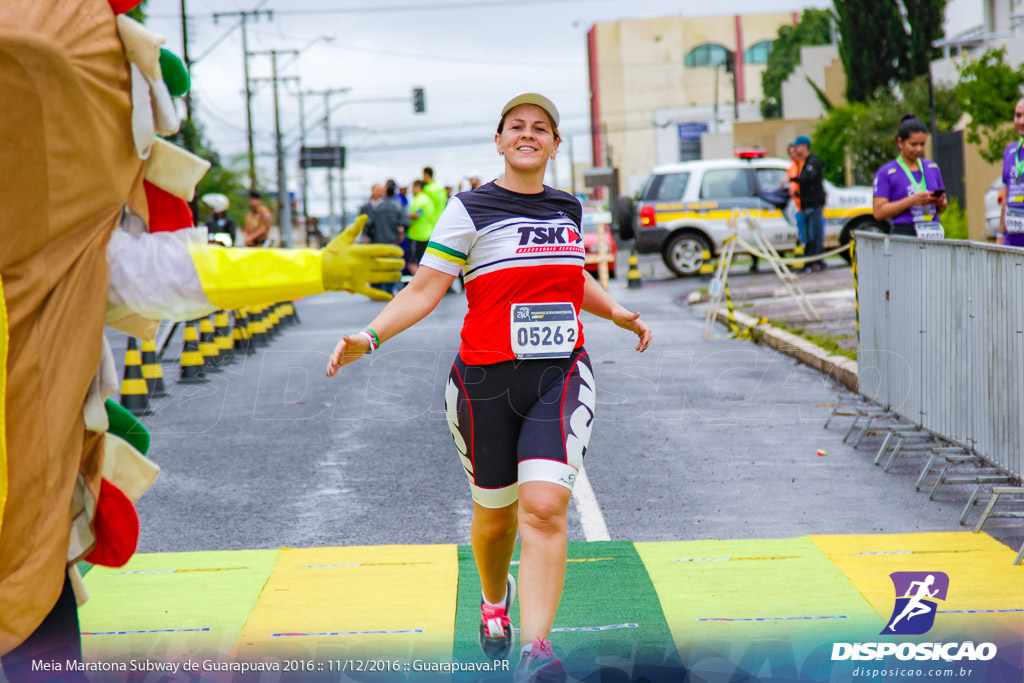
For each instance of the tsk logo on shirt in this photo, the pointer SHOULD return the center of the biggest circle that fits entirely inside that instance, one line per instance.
(551, 235)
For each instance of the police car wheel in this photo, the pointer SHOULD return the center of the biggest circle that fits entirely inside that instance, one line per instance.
(683, 253)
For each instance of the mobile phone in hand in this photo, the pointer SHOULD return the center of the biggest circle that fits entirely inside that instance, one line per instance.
(938, 193)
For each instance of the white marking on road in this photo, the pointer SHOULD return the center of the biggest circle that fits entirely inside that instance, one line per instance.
(591, 517)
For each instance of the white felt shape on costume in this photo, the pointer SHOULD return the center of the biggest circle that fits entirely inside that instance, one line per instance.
(175, 169)
(165, 116)
(104, 384)
(143, 125)
(128, 469)
(153, 275)
(141, 46)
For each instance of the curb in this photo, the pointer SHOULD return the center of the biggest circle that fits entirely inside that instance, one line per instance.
(839, 368)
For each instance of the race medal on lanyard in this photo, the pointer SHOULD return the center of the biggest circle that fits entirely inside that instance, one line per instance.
(925, 225)
(1015, 195)
(543, 330)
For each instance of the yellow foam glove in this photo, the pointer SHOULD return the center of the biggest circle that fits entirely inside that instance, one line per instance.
(353, 267)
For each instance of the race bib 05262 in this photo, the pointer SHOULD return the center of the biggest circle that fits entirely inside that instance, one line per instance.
(545, 330)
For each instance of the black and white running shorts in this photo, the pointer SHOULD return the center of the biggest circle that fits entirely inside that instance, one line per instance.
(520, 420)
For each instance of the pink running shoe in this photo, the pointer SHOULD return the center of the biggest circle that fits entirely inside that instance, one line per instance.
(540, 665)
(497, 637)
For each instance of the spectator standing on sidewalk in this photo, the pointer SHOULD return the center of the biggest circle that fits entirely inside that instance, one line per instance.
(908, 190)
(810, 181)
(257, 222)
(1011, 223)
(422, 219)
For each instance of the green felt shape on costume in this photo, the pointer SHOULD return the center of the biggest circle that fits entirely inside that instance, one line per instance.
(175, 74)
(126, 426)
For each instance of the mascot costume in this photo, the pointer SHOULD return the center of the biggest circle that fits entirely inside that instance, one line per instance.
(95, 231)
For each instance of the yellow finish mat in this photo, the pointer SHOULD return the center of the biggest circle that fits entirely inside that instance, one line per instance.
(165, 605)
(752, 589)
(983, 582)
(383, 601)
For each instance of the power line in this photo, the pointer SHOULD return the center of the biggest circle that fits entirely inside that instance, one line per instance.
(378, 9)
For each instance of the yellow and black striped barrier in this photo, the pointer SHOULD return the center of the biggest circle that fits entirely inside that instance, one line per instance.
(208, 343)
(134, 390)
(191, 357)
(707, 266)
(633, 279)
(151, 370)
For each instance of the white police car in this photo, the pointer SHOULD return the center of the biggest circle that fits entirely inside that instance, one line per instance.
(684, 209)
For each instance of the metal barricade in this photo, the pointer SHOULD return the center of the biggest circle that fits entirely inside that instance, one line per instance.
(942, 339)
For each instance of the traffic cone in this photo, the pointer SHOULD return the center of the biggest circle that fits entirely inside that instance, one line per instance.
(191, 357)
(273, 326)
(224, 339)
(634, 281)
(707, 268)
(257, 330)
(134, 390)
(152, 371)
(241, 332)
(289, 313)
(208, 344)
(295, 314)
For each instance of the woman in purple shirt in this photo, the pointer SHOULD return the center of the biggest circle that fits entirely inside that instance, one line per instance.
(1011, 226)
(909, 190)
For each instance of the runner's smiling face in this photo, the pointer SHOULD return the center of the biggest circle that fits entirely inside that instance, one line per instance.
(912, 148)
(527, 139)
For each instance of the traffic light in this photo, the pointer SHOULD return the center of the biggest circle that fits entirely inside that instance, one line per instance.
(419, 104)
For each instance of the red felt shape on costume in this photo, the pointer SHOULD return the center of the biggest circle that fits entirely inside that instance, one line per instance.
(122, 6)
(167, 212)
(116, 526)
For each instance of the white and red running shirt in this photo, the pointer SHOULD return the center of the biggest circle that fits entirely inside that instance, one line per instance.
(514, 249)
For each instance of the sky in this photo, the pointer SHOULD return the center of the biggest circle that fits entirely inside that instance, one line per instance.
(470, 57)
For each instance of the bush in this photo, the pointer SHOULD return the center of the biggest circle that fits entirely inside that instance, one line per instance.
(954, 221)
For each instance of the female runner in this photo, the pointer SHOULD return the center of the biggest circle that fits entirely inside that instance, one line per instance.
(520, 395)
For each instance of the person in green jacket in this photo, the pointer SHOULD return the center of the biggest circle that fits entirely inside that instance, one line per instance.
(435, 191)
(423, 216)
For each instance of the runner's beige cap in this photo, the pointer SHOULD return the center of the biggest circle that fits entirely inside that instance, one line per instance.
(533, 98)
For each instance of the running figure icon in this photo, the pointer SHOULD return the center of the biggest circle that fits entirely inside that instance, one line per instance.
(915, 606)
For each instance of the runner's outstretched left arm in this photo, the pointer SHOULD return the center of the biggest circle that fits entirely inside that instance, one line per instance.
(601, 304)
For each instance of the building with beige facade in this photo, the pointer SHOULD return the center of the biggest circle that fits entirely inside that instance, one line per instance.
(660, 85)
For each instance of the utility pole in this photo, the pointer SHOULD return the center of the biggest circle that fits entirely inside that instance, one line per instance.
(284, 207)
(188, 62)
(305, 171)
(341, 185)
(327, 141)
(245, 15)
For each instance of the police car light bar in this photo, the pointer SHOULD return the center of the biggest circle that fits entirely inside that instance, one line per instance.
(750, 153)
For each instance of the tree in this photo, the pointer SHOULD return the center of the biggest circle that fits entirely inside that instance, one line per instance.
(814, 28)
(222, 179)
(139, 13)
(867, 131)
(883, 42)
(987, 90)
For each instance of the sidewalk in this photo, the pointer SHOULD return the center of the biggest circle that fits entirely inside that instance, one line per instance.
(831, 292)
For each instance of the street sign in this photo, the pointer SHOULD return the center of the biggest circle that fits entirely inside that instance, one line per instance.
(601, 177)
(322, 157)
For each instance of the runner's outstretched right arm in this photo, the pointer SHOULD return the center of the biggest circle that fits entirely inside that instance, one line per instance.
(411, 305)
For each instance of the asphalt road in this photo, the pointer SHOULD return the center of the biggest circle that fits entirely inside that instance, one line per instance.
(692, 440)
